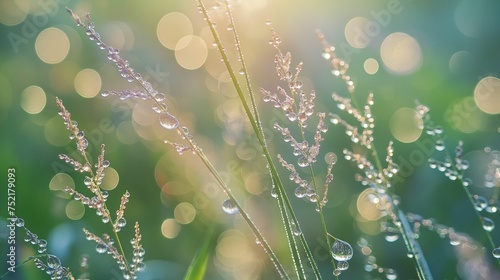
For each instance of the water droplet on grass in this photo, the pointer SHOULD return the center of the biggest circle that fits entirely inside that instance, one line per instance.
(53, 262)
(168, 121)
(229, 207)
(341, 250)
(488, 224)
(101, 248)
(496, 253)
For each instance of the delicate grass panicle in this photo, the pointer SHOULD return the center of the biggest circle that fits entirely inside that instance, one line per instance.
(93, 182)
(52, 265)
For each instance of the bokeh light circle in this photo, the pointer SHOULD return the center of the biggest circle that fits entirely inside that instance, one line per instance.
(184, 213)
(171, 28)
(355, 33)
(170, 228)
(33, 99)
(371, 66)
(405, 126)
(401, 53)
(191, 52)
(88, 83)
(13, 12)
(52, 45)
(487, 95)
(75, 210)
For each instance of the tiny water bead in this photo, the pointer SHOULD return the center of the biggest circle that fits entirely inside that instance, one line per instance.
(229, 207)
(391, 274)
(488, 224)
(168, 121)
(496, 253)
(480, 202)
(300, 192)
(331, 158)
(19, 222)
(342, 265)
(440, 145)
(302, 161)
(341, 250)
(121, 222)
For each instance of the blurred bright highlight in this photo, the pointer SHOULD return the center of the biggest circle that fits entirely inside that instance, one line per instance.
(13, 12)
(405, 126)
(110, 181)
(191, 52)
(171, 28)
(33, 99)
(487, 95)
(401, 53)
(52, 45)
(170, 228)
(88, 83)
(75, 210)
(184, 213)
(371, 66)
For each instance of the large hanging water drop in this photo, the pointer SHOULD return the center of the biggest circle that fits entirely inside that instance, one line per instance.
(229, 207)
(168, 121)
(341, 250)
(53, 262)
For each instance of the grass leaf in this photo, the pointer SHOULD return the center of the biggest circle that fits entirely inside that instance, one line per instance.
(198, 266)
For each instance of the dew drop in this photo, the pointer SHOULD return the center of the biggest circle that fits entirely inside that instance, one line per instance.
(341, 250)
(300, 192)
(216, 6)
(229, 207)
(488, 224)
(241, 71)
(295, 229)
(141, 266)
(53, 262)
(439, 145)
(337, 272)
(274, 192)
(87, 181)
(302, 161)
(160, 97)
(342, 265)
(101, 248)
(391, 274)
(269, 23)
(168, 121)
(121, 222)
(19, 222)
(331, 158)
(391, 237)
(496, 253)
(480, 202)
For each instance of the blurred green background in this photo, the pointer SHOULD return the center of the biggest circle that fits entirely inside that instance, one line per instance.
(444, 54)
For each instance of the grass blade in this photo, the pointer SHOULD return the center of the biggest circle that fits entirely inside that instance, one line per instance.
(198, 266)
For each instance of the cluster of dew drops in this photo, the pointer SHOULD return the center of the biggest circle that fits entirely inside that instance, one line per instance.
(53, 265)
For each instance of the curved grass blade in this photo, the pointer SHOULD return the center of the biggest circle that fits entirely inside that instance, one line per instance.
(198, 266)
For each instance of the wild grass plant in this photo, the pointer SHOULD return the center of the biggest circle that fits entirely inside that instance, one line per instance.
(301, 171)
